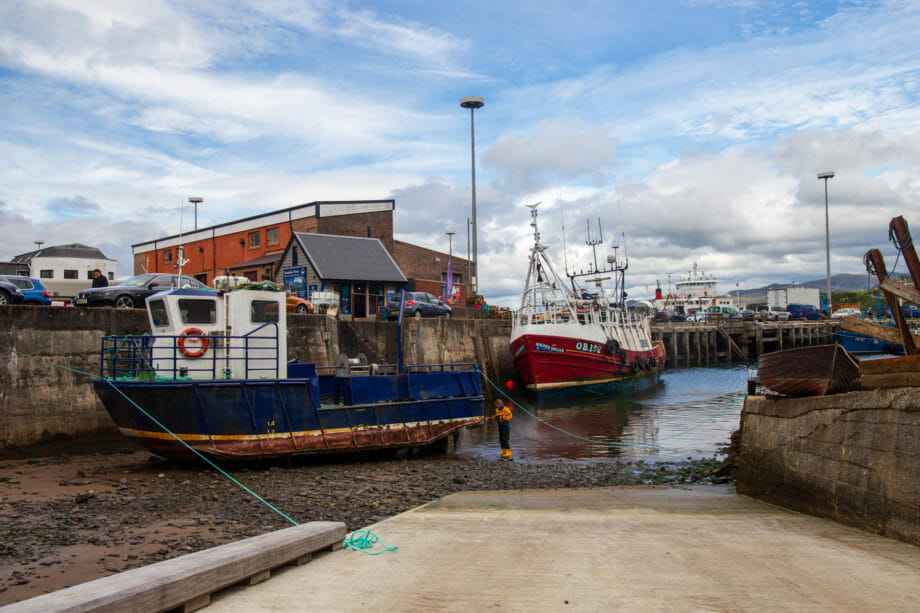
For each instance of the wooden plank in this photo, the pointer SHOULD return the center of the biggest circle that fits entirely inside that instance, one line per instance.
(901, 379)
(907, 363)
(188, 579)
(870, 328)
(901, 290)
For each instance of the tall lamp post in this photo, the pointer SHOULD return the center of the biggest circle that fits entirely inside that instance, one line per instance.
(469, 267)
(827, 237)
(472, 103)
(196, 201)
(449, 286)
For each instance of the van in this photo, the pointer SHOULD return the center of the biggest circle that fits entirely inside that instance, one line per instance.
(725, 313)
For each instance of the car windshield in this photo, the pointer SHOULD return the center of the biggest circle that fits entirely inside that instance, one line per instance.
(138, 281)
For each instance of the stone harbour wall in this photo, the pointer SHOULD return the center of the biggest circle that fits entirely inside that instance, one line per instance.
(853, 458)
(44, 350)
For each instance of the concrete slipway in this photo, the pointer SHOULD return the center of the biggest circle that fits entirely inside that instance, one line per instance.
(635, 548)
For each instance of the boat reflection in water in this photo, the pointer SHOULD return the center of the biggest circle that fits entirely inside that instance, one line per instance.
(691, 413)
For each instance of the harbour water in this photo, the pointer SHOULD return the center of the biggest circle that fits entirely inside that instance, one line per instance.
(691, 413)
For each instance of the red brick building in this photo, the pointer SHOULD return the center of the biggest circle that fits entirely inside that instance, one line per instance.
(252, 247)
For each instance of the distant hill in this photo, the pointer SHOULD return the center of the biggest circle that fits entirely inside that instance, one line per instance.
(839, 283)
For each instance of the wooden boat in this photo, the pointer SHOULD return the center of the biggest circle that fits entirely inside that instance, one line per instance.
(809, 371)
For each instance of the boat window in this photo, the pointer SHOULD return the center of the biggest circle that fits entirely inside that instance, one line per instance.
(263, 310)
(158, 313)
(195, 311)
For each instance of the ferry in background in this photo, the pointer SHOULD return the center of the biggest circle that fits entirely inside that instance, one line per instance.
(695, 292)
(567, 335)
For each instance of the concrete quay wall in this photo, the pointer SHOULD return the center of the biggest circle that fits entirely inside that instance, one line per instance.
(853, 458)
(43, 351)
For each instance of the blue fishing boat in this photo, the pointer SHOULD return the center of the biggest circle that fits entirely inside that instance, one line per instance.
(212, 377)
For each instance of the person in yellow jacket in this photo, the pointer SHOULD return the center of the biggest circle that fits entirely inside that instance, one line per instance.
(503, 416)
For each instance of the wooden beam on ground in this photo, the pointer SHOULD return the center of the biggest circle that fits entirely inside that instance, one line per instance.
(886, 366)
(869, 328)
(188, 581)
(901, 290)
(899, 379)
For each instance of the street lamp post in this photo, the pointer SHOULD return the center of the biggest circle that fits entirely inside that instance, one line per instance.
(469, 267)
(472, 103)
(196, 201)
(449, 286)
(827, 237)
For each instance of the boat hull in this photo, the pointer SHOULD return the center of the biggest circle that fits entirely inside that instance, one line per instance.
(271, 418)
(809, 371)
(548, 362)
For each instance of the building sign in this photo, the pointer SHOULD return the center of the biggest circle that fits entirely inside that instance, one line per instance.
(295, 281)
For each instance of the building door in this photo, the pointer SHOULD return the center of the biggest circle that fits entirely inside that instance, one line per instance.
(360, 300)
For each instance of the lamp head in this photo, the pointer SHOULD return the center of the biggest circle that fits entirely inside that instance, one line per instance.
(472, 102)
(826, 175)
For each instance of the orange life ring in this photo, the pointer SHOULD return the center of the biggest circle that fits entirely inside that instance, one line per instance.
(193, 352)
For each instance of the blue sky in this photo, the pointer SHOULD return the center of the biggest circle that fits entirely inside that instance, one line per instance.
(693, 129)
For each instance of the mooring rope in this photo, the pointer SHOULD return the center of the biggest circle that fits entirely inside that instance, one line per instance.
(365, 539)
(613, 443)
(168, 431)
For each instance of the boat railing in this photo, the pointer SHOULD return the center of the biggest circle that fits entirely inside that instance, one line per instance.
(393, 369)
(164, 357)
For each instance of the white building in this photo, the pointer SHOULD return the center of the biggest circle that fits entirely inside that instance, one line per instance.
(66, 269)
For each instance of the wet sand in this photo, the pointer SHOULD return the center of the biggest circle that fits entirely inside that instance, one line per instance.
(73, 517)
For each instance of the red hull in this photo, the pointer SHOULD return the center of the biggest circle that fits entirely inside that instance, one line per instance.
(554, 362)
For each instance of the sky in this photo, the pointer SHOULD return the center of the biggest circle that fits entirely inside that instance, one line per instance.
(690, 131)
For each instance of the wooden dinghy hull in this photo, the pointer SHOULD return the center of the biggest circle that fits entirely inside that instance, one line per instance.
(809, 371)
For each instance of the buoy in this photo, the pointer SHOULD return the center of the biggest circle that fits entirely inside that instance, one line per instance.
(509, 384)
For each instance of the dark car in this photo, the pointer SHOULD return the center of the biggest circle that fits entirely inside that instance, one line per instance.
(803, 311)
(747, 315)
(9, 293)
(417, 304)
(132, 293)
(33, 290)
(910, 311)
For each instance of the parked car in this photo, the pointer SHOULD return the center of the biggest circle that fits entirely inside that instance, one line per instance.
(803, 311)
(774, 313)
(296, 304)
(10, 293)
(33, 290)
(132, 293)
(747, 315)
(417, 304)
(726, 313)
(910, 311)
(669, 316)
(698, 316)
(846, 312)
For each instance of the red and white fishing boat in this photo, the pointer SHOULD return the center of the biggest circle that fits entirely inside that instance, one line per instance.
(565, 335)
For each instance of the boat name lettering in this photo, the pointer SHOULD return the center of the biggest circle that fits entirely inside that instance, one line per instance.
(545, 347)
(589, 347)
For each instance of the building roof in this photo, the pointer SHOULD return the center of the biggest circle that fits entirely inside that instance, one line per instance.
(265, 260)
(73, 250)
(349, 258)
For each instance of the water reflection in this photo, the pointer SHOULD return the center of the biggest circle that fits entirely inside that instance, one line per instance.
(691, 413)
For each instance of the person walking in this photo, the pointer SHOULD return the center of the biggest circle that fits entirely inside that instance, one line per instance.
(99, 280)
(503, 416)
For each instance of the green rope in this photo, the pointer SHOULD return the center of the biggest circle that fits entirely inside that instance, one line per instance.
(613, 443)
(365, 539)
(167, 430)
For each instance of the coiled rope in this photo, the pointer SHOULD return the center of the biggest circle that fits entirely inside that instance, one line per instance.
(361, 540)
(612, 443)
